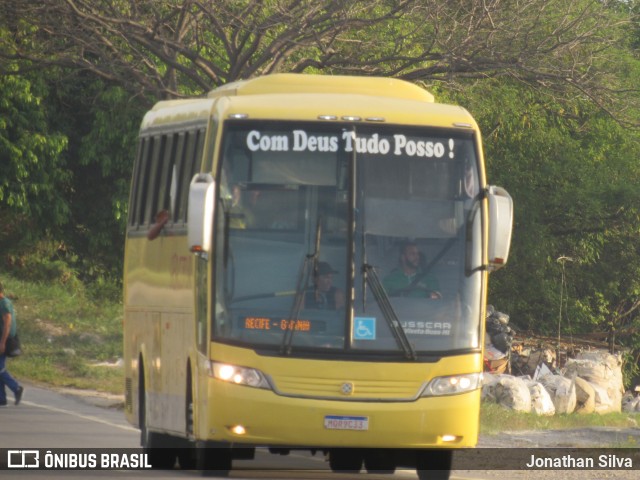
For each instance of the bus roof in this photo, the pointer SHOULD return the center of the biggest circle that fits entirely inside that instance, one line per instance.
(170, 112)
(290, 83)
(304, 97)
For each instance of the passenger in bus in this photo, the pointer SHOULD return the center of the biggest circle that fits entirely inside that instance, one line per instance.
(162, 217)
(239, 215)
(324, 295)
(409, 279)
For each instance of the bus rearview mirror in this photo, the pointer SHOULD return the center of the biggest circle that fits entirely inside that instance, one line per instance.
(500, 226)
(200, 213)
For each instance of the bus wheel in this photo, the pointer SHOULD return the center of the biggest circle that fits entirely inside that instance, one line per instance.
(380, 461)
(345, 460)
(159, 456)
(214, 462)
(434, 464)
(187, 458)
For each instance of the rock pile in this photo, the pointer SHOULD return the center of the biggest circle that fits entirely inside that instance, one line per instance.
(591, 382)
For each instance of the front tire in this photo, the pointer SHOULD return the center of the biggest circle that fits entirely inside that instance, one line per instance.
(379, 461)
(213, 461)
(434, 464)
(345, 460)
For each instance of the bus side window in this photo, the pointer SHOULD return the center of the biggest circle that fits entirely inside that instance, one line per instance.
(165, 168)
(153, 179)
(191, 166)
(176, 169)
(187, 163)
(141, 182)
(184, 176)
(133, 200)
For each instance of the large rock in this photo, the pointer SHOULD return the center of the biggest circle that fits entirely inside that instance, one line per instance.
(585, 396)
(541, 402)
(562, 391)
(604, 372)
(630, 403)
(508, 391)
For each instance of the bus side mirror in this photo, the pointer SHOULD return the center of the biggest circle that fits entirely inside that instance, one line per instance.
(200, 213)
(500, 226)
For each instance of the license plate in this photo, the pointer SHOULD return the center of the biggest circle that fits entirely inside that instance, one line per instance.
(339, 422)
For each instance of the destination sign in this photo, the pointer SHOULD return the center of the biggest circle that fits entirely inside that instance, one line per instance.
(266, 323)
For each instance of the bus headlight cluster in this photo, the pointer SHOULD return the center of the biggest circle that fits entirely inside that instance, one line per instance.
(239, 375)
(453, 385)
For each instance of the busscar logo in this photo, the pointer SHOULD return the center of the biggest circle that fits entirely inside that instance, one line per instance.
(23, 459)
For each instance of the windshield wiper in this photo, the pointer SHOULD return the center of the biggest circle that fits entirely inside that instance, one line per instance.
(301, 286)
(388, 312)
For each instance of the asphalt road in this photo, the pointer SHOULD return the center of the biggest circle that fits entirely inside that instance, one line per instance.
(48, 419)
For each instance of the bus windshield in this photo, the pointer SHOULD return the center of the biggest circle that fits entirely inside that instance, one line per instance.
(347, 238)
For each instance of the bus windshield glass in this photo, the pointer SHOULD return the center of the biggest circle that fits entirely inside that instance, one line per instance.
(343, 238)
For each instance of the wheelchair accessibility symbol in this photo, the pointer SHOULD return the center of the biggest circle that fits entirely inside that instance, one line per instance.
(364, 328)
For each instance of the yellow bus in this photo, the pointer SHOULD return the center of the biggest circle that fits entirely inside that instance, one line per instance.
(306, 267)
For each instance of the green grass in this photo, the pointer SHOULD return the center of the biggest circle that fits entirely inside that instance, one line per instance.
(495, 419)
(65, 335)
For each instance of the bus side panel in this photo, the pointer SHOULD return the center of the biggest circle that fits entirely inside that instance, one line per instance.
(158, 330)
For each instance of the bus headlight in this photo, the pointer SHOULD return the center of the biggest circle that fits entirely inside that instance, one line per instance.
(453, 385)
(239, 375)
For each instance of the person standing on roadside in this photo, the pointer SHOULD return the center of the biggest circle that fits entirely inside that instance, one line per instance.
(8, 327)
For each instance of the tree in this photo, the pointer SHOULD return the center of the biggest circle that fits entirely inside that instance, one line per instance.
(101, 123)
(545, 78)
(170, 48)
(67, 142)
(33, 181)
(574, 176)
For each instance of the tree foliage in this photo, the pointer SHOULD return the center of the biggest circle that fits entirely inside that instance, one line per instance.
(33, 180)
(574, 175)
(101, 122)
(175, 48)
(553, 84)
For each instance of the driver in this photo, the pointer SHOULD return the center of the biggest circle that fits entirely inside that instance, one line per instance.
(324, 295)
(408, 279)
